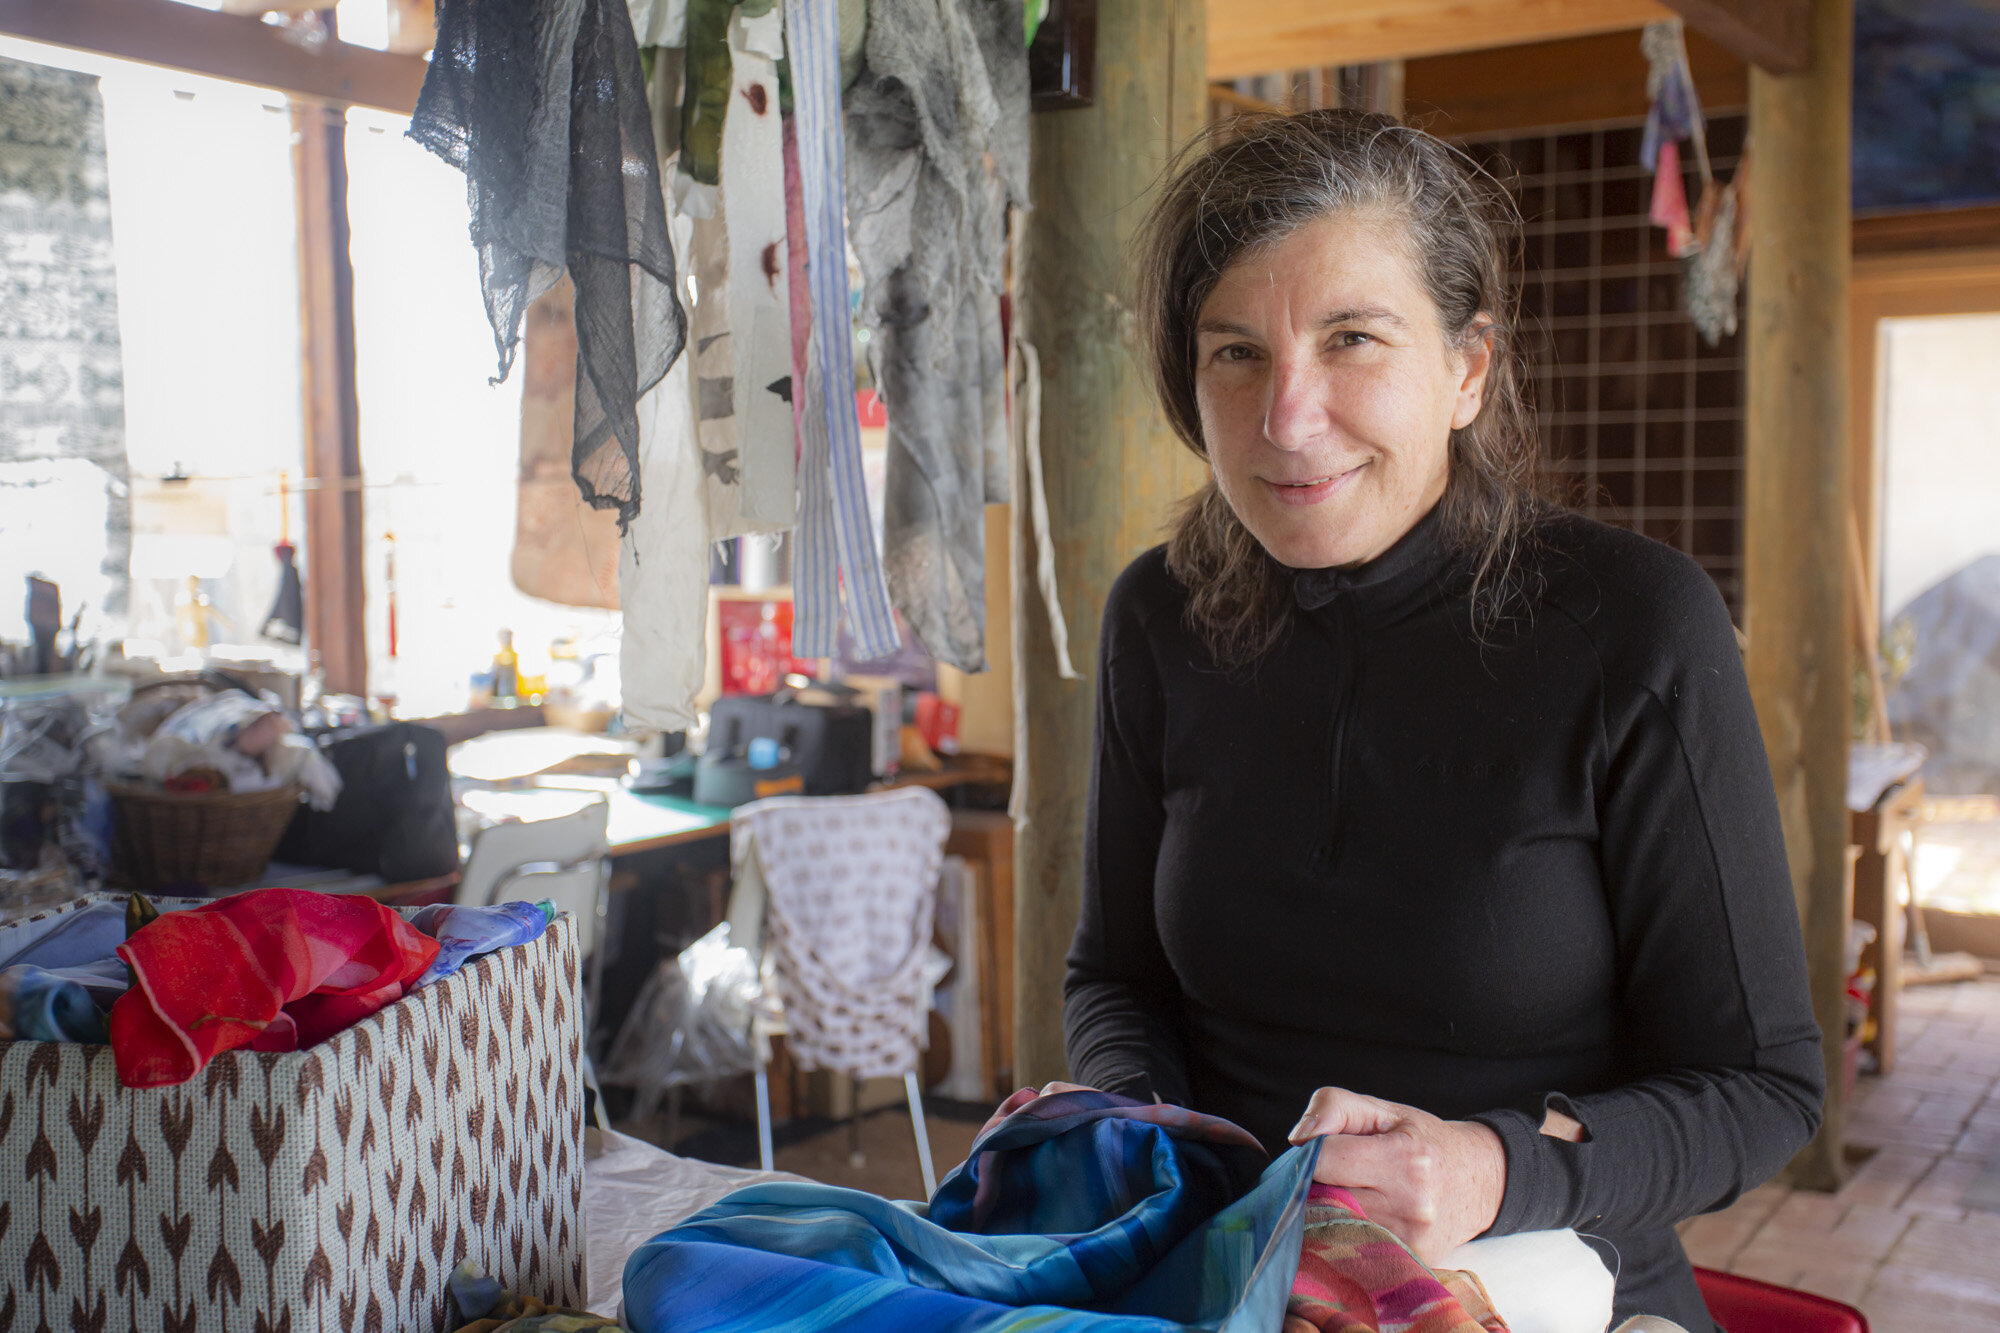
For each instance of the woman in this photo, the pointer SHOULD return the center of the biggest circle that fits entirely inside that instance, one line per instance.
(1426, 817)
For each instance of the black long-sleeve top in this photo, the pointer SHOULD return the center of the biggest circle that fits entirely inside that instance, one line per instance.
(1486, 873)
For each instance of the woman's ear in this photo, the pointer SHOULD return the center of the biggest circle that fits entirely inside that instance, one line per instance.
(1475, 356)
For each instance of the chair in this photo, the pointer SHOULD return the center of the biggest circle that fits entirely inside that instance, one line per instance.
(565, 858)
(1745, 1305)
(844, 888)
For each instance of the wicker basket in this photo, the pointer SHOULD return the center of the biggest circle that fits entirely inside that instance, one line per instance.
(216, 840)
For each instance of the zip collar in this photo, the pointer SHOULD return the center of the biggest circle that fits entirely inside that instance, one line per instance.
(1417, 555)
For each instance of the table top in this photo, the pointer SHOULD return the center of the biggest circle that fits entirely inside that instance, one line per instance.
(643, 821)
(540, 771)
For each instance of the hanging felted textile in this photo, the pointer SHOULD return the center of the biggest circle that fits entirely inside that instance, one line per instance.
(937, 135)
(542, 104)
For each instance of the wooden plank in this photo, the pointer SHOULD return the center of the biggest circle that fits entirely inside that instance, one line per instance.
(1574, 81)
(985, 838)
(1112, 469)
(1795, 483)
(334, 584)
(1927, 229)
(1299, 34)
(1770, 34)
(412, 26)
(222, 46)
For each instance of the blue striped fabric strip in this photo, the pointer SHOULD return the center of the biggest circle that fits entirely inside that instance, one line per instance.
(836, 534)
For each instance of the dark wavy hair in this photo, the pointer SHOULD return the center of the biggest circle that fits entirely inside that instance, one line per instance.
(1246, 184)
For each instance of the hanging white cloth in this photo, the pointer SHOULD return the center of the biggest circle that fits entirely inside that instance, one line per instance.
(760, 321)
(693, 428)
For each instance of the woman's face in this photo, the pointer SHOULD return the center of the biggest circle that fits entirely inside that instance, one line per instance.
(1328, 392)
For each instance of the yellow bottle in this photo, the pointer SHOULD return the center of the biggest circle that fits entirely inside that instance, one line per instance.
(506, 671)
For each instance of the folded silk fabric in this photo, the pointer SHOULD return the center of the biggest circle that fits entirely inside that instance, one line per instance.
(1355, 1277)
(465, 931)
(1080, 1213)
(59, 1004)
(542, 104)
(271, 968)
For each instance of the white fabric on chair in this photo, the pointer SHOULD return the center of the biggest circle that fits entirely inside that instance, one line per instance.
(851, 884)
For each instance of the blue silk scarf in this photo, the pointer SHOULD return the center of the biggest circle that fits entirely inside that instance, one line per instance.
(1082, 1212)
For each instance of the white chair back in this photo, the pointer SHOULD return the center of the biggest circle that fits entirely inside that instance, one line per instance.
(563, 858)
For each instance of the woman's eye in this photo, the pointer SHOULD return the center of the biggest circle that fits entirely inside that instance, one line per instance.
(1351, 338)
(1236, 352)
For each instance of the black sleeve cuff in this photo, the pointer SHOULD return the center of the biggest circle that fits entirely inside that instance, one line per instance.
(1544, 1175)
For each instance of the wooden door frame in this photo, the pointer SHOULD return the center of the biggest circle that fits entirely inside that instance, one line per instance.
(1900, 286)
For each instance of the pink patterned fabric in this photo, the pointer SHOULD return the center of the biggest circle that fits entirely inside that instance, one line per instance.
(852, 882)
(1355, 1277)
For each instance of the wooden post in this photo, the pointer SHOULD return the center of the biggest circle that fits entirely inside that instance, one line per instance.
(1795, 483)
(1113, 471)
(333, 573)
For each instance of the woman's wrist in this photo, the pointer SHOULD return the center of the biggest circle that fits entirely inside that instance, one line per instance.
(1483, 1173)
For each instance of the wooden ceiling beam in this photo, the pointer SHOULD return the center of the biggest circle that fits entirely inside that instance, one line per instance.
(1770, 34)
(221, 46)
(1246, 39)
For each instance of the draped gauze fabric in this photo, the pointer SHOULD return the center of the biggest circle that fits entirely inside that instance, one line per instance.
(937, 149)
(542, 103)
(1082, 1212)
(836, 552)
(273, 969)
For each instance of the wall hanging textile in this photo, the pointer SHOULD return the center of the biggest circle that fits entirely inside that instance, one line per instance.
(836, 540)
(543, 106)
(64, 479)
(937, 149)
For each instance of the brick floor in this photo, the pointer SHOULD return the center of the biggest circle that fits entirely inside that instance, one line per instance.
(1896, 1241)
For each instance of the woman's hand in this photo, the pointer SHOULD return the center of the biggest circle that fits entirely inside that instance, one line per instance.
(1023, 1097)
(1435, 1183)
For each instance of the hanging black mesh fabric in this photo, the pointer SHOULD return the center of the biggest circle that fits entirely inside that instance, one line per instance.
(542, 103)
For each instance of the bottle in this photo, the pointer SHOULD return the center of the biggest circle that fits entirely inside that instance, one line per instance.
(506, 672)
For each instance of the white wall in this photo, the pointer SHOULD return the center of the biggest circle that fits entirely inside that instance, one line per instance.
(1940, 450)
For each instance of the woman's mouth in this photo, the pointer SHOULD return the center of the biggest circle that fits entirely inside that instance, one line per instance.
(1313, 490)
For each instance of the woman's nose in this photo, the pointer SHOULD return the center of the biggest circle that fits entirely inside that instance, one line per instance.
(1295, 411)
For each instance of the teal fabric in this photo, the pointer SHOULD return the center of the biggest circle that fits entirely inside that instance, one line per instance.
(1081, 1213)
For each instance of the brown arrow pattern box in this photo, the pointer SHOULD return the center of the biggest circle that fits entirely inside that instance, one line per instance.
(334, 1188)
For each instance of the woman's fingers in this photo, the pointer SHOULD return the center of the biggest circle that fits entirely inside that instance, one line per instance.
(1435, 1183)
(1338, 1111)
(1051, 1089)
(1397, 1161)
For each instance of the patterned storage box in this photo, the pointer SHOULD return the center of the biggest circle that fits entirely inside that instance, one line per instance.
(328, 1189)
